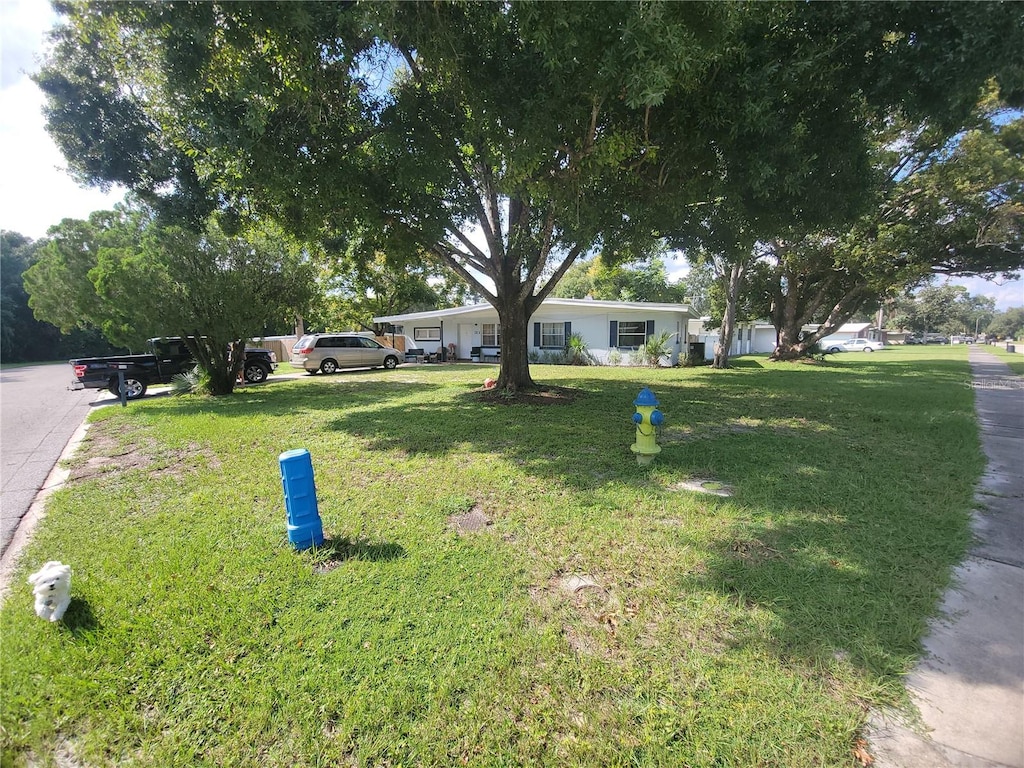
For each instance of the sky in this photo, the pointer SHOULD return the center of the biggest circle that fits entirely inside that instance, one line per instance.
(36, 191)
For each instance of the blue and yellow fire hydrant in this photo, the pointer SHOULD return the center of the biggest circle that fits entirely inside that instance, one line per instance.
(647, 419)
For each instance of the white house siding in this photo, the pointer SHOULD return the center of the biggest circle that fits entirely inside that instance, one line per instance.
(596, 329)
(748, 339)
(591, 319)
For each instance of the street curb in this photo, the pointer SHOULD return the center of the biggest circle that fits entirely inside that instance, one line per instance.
(37, 511)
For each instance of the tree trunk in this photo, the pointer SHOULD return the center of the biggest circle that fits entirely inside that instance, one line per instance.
(220, 362)
(791, 310)
(788, 324)
(733, 284)
(514, 375)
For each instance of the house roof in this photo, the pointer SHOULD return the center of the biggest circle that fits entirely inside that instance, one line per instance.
(576, 304)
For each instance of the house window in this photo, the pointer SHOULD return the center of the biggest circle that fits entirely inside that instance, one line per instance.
(552, 335)
(426, 334)
(490, 335)
(632, 333)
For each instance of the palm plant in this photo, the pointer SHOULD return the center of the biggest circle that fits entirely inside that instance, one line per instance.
(652, 350)
(577, 352)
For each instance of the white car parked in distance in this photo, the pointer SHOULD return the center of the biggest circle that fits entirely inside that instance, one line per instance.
(856, 345)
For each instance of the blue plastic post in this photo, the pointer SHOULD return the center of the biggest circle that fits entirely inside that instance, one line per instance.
(305, 528)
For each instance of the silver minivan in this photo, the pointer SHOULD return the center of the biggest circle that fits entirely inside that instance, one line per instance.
(327, 352)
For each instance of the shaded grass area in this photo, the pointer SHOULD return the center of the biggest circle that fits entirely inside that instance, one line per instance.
(750, 630)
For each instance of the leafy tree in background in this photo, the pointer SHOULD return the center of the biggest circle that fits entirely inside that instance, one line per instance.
(951, 207)
(126, 275)
(17, 326)
(361, 281)
(23, 337)
(948, 309)
(61, 283)
(941, 88)
(1008, 324)
(633, 281)
(553, 129)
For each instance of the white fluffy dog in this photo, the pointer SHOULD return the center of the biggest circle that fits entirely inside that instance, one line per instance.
(51, 585)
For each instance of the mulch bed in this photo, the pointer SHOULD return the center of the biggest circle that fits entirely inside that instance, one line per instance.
(540, 396)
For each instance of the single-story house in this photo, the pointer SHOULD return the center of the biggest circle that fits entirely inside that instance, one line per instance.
(759, 337)
(753, 338)
(606, 327)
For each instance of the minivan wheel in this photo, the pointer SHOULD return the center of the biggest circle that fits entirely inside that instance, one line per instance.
(390, 362)
(328, 366)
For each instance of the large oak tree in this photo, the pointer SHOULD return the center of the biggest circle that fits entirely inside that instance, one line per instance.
(952, 207)
(505, 139)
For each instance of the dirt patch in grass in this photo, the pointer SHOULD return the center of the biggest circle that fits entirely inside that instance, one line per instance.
(548, 395)
(107, 450)
(473, 521)
(589, 613)
(753, 550)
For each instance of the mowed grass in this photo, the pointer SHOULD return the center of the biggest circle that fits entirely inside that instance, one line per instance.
(1013, 359)
(751, 630)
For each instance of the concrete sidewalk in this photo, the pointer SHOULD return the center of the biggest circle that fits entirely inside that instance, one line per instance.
(969, 687)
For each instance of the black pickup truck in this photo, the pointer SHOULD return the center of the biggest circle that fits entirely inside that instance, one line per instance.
(169, 356)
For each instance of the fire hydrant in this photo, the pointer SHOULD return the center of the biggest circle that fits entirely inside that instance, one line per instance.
(647, 419)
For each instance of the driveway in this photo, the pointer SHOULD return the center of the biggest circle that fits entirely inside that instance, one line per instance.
(38, 415)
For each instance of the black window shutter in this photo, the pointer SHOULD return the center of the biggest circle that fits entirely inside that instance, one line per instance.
(536, 334)
(613, 337)
(650, 328)
(568, 331)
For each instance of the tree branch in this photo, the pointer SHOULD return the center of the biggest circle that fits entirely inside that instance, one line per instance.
(526, 289)
(442, 252)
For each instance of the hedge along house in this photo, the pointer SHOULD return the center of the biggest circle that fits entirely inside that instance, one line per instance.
(605, 326)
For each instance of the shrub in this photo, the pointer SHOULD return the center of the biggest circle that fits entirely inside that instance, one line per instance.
(194, 382)
(652, 350)
(577, 352)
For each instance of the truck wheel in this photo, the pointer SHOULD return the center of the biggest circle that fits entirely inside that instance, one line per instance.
(328, 366)
(133, 388)
(255, 373)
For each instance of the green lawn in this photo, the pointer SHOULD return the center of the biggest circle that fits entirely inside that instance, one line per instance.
(1013, 359)
(753, 630)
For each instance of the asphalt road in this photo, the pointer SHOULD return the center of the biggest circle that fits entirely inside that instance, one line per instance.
(38, 415)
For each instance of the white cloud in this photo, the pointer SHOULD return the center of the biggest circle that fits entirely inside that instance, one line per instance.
(1006, 294)
(36, 191)
(22, 25)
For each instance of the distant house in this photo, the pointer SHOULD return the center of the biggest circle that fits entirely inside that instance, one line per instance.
(760, 338)
(605, 326)
(752, 338)
(843, 333)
